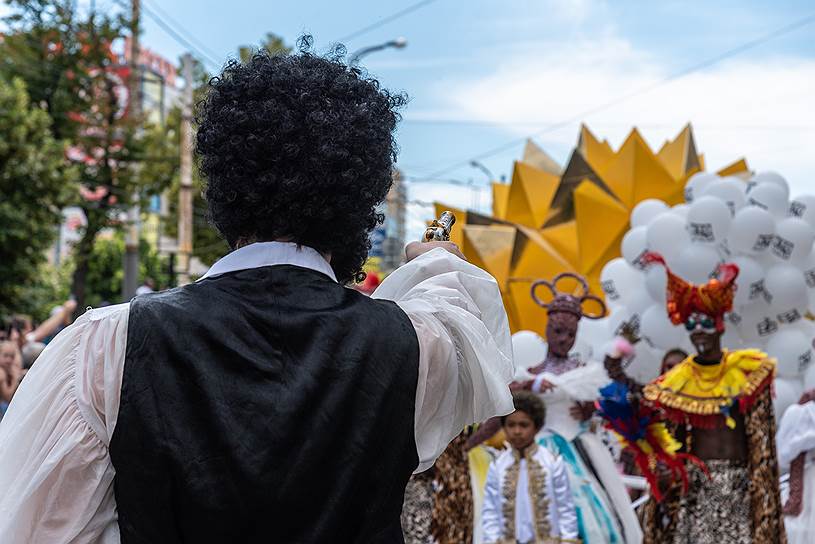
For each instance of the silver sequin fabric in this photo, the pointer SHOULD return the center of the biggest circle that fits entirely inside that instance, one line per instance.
(417, 509)
(716, 510)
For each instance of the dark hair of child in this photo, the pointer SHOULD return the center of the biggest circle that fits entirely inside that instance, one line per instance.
(531, 405)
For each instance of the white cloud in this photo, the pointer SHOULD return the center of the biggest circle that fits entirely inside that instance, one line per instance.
(754, 107)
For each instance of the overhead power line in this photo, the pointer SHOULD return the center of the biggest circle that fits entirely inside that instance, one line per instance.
(176, 35)
(182, 30)
(795, 25)
(364, 30)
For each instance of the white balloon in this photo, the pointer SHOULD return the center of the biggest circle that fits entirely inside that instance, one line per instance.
(681, 210)
(656, 283)
(804, 207)
(770, 197)
(750, 282)
(787, 393)
(581, 350)
(756, 324)
(807, 328)
(788, 292)
(708, 220)
(621, 315)
(667, 235)
(752, 230)
(528, 349)
(644, 212)
(729, 190)
(639, 301)
(616, 319)
(595, 333)
(793, 240)
(697, 263)
(808, 268)
(697, 183)
(809, 378)
(646, 363)
(619, 281)
(658, 330)
(634, 245)
(731, 339)
(769, 177)
(793, 351)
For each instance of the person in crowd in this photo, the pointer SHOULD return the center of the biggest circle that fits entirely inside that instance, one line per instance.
(30, 353)
(149, 286)
(527, 497)
(672, 358)
(267, 401)
(23, 332)
(796, 450)
(568, 387)
(719, 405)
(11, 373)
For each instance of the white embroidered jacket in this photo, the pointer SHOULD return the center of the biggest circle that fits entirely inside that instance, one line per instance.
(528, 499)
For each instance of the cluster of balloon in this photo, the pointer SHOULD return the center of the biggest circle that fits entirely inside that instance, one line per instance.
(754, 224)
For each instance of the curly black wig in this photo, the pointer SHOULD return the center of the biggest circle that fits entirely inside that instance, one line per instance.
(531, 405)
(298, 147)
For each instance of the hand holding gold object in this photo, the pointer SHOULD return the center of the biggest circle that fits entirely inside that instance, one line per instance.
(439, 229)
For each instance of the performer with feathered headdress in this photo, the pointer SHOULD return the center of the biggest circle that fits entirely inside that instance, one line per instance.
(718, 404)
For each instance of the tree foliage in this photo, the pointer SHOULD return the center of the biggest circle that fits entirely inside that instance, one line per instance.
(35, 183)
(105, 273)
(67, 62)
(272, 43)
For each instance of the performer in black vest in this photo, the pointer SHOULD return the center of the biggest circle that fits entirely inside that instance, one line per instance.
(267, 402)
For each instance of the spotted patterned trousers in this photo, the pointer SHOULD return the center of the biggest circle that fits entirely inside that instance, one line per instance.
(716, 510)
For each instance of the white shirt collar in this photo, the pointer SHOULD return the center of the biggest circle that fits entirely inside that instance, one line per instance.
(268, 254)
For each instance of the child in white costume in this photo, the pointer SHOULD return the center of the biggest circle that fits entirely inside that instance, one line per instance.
(527, 497)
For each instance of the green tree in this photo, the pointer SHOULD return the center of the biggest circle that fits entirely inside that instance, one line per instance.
(67, 62)
(105, 273)
(35, 183)
(272, 43)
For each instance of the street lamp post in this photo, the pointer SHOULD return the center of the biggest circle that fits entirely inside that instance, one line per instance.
(480, 166)
(398, 43)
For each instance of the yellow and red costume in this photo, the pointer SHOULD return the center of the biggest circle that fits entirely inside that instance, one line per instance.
(693, 395)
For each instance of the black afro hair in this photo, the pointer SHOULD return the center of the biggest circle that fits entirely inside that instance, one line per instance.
(298, 147)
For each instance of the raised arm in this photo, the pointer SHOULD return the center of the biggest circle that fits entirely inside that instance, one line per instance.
(465, 351)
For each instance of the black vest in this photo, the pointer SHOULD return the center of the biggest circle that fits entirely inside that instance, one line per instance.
(265, 405)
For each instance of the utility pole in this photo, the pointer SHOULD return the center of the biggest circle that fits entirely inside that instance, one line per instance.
(131, 259)
(185, 189)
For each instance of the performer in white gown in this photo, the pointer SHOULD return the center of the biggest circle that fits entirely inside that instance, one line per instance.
(796, 451)
(569, 388)
(266, 402)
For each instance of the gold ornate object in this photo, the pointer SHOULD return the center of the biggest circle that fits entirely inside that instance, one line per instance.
(439, 229)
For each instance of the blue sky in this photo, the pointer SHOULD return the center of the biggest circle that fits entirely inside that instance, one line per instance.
(481, 74)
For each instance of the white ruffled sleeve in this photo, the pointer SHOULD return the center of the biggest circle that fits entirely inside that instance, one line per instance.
(56, 478)
(796, 432)
(465, 351)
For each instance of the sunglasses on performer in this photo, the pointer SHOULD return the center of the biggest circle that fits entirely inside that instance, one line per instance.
(705, 322)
